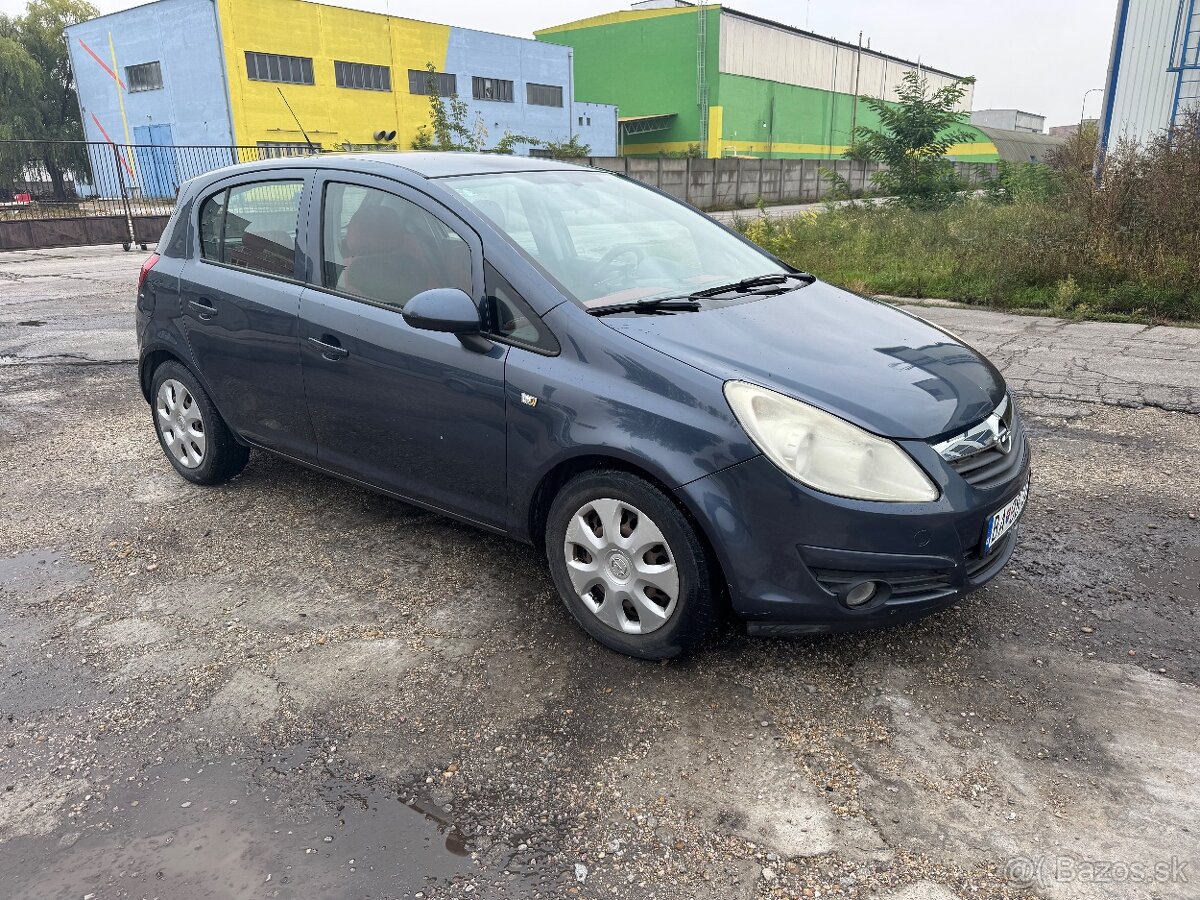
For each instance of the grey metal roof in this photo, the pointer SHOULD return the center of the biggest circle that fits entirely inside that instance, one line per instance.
(1021, 146)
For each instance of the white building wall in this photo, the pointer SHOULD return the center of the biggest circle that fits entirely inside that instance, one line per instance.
(1143, 94)
(759, 50)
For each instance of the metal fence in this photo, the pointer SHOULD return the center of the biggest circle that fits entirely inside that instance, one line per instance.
(70, 193)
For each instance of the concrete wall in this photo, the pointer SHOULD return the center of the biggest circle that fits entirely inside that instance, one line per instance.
(739, 183)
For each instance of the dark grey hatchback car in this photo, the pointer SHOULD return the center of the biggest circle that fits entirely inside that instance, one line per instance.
(683, 423)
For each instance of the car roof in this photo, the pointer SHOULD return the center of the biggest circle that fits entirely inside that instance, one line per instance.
(425, 165)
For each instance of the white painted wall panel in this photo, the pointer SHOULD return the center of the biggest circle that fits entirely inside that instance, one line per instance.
(758, 50)
(1145, 89)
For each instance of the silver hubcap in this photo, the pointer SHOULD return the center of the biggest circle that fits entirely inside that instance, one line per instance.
(180, 423)
(621, 567)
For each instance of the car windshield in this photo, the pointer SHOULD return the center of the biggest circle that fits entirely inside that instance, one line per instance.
(605, 240)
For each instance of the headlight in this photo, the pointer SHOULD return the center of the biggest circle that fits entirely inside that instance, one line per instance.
(825, 452)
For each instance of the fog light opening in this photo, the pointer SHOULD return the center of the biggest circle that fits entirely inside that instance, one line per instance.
(861, 594)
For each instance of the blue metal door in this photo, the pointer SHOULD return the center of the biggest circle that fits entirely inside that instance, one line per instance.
(155, 156)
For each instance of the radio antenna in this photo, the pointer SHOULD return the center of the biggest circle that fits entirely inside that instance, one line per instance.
(307, 140)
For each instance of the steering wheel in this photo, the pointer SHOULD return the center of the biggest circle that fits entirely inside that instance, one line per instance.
(618, 273)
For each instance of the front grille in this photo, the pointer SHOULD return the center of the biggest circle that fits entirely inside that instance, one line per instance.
(906, 587)
(988, 454)
(993, 467)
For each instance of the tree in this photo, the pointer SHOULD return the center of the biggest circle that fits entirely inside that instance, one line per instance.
(448, 129)
(42, 104)
(19, 77)
(912, 140)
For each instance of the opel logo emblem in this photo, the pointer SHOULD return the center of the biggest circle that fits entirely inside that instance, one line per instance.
(618, 564)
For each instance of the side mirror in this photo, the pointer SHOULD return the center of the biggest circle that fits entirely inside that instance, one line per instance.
(449, 311)
(443, 309)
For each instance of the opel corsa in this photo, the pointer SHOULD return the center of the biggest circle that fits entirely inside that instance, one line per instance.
(682, 423)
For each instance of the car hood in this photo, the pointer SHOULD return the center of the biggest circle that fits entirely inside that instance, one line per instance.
(882, 369)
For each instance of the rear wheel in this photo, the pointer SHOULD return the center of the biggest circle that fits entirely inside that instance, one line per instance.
(630, 566)
(191, 432)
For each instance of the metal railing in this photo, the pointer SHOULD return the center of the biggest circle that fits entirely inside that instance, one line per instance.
(74, 192)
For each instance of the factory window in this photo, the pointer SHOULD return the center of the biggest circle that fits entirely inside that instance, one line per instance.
(144, 77)
(492, 89)
(273, 67)
(277, 149)
(362, 76)
(544, 94)
(445, 84)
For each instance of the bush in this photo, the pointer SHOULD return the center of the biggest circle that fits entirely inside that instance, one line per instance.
(1043, 237)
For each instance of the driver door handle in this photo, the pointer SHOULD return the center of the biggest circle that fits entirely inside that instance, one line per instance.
(330, 347)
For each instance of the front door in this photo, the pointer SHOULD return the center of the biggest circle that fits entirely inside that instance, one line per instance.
(411, 411)
(240, 309)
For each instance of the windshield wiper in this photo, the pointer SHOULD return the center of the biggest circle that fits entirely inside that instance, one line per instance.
(753, 282)
(649, 305)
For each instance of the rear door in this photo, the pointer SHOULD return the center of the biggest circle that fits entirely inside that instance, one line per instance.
(411, 411)
(240, 302)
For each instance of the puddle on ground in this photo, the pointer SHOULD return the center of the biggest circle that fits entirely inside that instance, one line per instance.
(39, 575)
(1179, 578)
(32, 323)
(284, 825)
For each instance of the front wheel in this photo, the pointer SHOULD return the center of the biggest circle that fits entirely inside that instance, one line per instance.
(192, 433)
(630, 566)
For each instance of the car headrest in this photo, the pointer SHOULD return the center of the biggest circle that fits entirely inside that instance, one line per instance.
(373, 229)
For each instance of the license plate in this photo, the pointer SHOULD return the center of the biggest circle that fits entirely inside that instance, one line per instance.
(1001, 522)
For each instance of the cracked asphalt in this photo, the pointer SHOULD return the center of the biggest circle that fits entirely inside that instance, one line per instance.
(290, 687)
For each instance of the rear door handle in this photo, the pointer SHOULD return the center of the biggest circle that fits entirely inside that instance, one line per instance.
(203, 307)
(329, 346)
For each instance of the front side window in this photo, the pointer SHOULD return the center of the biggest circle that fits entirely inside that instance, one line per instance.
(253, 226)
(604, 239)
(509, 317)
(386, 249)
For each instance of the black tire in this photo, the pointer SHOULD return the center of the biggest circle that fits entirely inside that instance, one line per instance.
(696, 607)
(223, 457)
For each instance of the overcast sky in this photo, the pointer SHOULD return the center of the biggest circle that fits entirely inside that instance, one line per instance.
(1038, 55)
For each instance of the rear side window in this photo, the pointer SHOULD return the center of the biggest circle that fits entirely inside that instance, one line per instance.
(253, 226)
(386, 249)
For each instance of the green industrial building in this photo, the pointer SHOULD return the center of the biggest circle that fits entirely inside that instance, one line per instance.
(719, 82)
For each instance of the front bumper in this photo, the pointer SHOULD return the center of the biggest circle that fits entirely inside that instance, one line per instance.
(790, 553)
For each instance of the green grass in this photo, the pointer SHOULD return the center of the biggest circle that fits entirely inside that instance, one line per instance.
(1034, 256)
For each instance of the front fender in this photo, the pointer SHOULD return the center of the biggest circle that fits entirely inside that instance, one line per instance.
(608, 396)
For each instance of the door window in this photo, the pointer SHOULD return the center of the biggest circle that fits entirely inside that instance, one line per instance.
(510, 318)
(386, 249)
(253, 226)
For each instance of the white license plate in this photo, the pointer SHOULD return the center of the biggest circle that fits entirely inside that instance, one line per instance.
(1001, 522)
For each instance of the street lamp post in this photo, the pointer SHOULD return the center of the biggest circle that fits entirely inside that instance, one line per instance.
(1083, 109)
